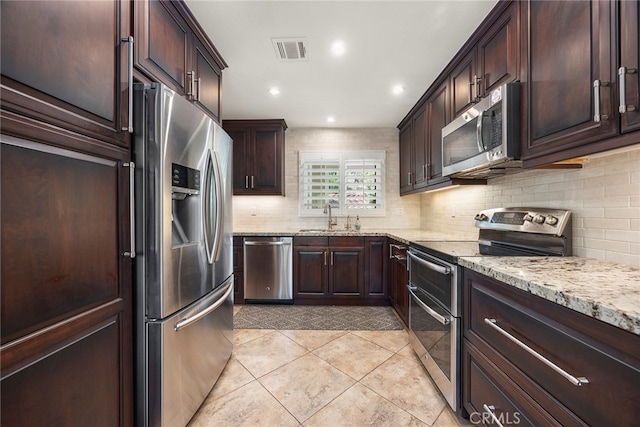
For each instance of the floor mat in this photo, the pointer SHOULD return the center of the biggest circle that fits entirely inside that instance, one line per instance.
(316, 317)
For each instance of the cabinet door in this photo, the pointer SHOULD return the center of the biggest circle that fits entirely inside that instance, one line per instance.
(207, 90)
(266, 161)
(558, 79)
(438, 117)
(346, 272)
(241, 151)
(64, 63)
(630, 58)
(406, 159)
(420, 151)
(401, 279)
(498, 51)
(238, 271)
(462, 84)
(162, 44)
(376, 261)
(66, 287)
(310, 264)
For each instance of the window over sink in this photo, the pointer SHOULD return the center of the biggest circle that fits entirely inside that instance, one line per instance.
(352, 182)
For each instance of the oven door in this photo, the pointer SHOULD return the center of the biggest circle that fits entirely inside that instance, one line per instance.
(436, 278)
(434, 335)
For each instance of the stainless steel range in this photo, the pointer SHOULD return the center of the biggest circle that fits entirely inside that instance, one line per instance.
(435, 281)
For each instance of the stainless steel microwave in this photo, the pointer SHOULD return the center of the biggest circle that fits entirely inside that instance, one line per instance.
(485, 140)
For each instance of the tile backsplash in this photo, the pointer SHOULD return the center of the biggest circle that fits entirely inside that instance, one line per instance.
(604, 196)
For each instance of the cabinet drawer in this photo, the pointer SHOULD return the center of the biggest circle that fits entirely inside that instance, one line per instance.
(487, 390)
(589, 367)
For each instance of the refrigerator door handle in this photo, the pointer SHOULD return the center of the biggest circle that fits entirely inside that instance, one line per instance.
(217, 240)
(192, 319)
(212, 207)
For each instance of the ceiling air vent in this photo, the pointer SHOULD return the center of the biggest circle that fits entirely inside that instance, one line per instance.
(290, 49)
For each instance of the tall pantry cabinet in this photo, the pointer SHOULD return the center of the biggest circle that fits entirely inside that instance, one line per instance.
(66, 308)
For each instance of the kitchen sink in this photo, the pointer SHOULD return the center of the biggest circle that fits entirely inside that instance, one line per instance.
(315, 230)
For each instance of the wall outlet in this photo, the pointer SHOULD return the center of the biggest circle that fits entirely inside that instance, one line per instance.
(254, 211)
(398, 211)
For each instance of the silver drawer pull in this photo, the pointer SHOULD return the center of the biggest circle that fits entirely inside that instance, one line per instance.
(577, 381)
(490, 409)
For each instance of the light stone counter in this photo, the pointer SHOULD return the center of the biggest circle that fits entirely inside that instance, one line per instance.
(606, 291)
(403, 235)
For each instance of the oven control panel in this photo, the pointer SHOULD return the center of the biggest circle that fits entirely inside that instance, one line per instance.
(528, 220)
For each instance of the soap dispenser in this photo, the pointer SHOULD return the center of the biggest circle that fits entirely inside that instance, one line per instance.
(357, 223)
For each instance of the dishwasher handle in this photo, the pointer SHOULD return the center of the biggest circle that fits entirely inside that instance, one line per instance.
(261, 243)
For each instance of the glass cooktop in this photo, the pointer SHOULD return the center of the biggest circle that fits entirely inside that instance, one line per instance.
(449, 250)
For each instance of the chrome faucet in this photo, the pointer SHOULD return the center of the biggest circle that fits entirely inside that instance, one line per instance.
(332, 221)
(347, 226)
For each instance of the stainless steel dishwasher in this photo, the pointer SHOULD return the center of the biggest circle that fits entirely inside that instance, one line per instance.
(268, 269)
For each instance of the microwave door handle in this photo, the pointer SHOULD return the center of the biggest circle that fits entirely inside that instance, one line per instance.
(479, 140)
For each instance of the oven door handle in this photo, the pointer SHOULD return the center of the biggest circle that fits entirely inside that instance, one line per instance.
(433, 313)
(440, 269)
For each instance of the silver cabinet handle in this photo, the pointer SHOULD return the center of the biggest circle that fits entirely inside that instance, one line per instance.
(577, 381)
(440, 269)
(491, 409)
(409, 177)
(192, 76)
(445, 321)
(597, 84)
(325, 257)
(398, 247)
(332, 257)
(132, 207)
(622, 72)
(129, 127)
(253, 182)
(199, 88)
(246, 181)
(189, 320)
(476, 84)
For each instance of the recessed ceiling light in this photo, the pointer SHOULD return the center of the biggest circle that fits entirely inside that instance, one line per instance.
(331, 119)
(338, 48)
(398, 89)
(274, 91)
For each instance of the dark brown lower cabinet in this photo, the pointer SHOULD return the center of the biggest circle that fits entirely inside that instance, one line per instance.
(238, 270)
(66, 345)
(376, 269)
(591, 375)
(332, 270)
(399, 279)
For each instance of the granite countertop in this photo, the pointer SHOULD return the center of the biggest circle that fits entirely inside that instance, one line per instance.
(403, 235)
(603, 290)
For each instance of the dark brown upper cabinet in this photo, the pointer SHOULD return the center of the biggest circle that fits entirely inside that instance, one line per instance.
(571, 84)
(65, 63)
(421, 144)
(171, 48)
(258, 156)
(629, 67)
(492, 61)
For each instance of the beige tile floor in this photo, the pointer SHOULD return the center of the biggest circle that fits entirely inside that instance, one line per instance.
(325, 379)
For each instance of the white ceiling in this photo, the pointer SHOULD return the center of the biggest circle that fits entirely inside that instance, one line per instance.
(387, 43)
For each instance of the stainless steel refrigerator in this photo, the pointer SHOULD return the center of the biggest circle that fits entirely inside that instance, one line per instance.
(184, 271)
